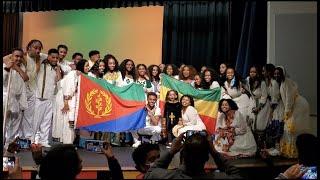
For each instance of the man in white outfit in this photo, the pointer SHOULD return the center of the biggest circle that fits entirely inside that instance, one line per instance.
(32, 60)
(48, 76)
(16, 99)
(153, 127)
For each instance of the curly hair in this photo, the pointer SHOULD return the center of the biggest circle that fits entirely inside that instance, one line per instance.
(122, 69)
(214, 77)
(150, 69)
(95, 68)
(106, 60)
(232, 104)
(192, 71)
(174, 68)
(137, 67)
(190, 98)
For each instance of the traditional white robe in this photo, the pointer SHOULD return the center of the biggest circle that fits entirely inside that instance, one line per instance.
(17, 102)
(191, 121)
(242, 100)
(115, 80)
(45, 95)
(259, 96)
(65, 66)
(28, 114)
(244, 143)
(299, 122)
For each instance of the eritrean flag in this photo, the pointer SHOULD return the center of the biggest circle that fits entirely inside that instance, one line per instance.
(108, 108)
(205, 101)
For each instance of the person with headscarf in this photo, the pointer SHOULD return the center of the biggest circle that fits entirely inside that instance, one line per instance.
(296, 113)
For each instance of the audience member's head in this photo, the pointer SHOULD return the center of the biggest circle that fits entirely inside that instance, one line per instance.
(195, 153)
(61, 162)
(144, 155)
(307, 146)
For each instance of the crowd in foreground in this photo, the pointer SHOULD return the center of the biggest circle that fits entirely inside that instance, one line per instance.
(194, 149)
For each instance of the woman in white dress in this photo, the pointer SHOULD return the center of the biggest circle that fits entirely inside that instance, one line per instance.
(233, 88)
(171, 70)
(210, 79)
(143, 79)
(190, 119)
(274, 128)
(296, 114)
(128, 72)
(197, 83)
(260, 108)
(233, 135)
(97, 70)
(63, 124)
(112, 74)
(154, 72)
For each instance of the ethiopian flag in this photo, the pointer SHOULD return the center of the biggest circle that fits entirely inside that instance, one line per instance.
(108, 108)
(205, 101)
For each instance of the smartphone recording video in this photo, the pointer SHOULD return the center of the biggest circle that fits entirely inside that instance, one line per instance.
(8, 162)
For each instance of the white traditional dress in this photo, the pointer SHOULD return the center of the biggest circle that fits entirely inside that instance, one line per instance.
(57, 121)
(244, 143)
(191, 121)
(259, 100)
(299, 122)
(274, 129)
(242, 100)
(114, 78)
(65, 66)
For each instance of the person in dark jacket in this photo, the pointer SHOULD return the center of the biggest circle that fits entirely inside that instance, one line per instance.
(194, 152)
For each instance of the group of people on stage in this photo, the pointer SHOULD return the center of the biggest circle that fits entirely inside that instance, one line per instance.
(261, 111)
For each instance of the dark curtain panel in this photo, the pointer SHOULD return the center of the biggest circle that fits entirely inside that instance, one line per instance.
(52, 5)
(249, 26)
(196, 32)
(12, 32)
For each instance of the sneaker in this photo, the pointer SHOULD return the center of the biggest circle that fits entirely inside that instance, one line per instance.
(136, 144)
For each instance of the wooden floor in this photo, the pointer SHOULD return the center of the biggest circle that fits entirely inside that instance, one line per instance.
(95, 165)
